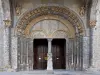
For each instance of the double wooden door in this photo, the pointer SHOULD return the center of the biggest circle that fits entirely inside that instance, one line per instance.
(40, 55)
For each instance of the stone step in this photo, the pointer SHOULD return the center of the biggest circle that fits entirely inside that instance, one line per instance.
(50, 73)
(37, 72)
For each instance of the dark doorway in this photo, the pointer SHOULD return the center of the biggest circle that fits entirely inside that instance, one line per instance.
(58, 52)
(40, 54)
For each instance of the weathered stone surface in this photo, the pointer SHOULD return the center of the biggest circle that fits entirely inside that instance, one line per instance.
(1, 34)
(96, 43)
(14, 52)
(86, 52)
(49, 26)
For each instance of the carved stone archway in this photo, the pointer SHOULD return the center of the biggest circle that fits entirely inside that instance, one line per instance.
(62, 14)
(59, 13)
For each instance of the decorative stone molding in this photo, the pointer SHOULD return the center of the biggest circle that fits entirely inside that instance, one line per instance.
(63, 12)
(93, 23)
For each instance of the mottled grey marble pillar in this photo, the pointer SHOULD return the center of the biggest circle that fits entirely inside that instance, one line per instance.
(7, 24)
(14, 52)
(86, 52)
(1, 34)
(67, 41)
(49, 61)
(6, 48)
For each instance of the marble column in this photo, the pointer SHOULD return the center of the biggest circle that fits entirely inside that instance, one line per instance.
(67, 54)
(6, 48)
(86, 52)
(7, 24)
(27, 52)
(49, 61)
(30, 59)
(1, 34)
(14, 48)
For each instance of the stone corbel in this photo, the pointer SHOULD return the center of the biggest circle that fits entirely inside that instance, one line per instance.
(7, 23)
(92, 23)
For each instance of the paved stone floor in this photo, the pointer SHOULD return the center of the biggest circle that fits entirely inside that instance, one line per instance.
(51, 73)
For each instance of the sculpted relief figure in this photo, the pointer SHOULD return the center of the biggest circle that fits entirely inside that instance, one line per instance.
(82, 11)
(18, 10)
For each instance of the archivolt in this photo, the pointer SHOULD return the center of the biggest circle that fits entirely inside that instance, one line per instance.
(59, 13)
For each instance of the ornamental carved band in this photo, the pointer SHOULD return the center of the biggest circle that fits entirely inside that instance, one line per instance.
(63, 12)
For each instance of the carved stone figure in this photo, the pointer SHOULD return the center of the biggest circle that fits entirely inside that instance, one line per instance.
(82, 11)
(18, 10)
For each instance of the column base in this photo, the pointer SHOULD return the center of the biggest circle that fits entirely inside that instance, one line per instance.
(93, 69)
(49, 62)
(50, 71)
(49, 65)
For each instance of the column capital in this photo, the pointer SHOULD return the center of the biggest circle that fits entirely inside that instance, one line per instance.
(7, 23)
(49, 39)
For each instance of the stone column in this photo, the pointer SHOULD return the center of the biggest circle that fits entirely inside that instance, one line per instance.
(14, 50)
(6, 48)
(30, 56)
(7, 24)
(22, 50)
(96, 41)
(1, 34)
(86, 52)
(27, 52)
(49, 61)
(67, 54)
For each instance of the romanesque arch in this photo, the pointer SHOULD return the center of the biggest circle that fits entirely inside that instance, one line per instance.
(62, 14)
(73, 34)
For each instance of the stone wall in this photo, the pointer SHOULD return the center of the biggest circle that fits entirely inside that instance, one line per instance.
(23, 6)
(4, 33)
(1, 33)
(96, 39)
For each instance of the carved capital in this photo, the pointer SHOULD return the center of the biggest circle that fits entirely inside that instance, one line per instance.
(93, 23)
(50, 39)
(7, 23)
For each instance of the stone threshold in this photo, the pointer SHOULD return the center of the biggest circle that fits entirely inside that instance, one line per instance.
(54, 72)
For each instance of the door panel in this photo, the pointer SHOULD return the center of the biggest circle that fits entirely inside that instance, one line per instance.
(58, 54)
(40, 55)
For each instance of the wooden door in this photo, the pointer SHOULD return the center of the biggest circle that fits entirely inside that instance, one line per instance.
(58, 52)
(40, 54)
